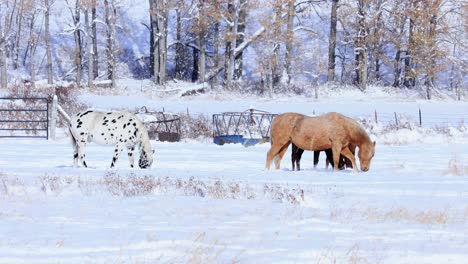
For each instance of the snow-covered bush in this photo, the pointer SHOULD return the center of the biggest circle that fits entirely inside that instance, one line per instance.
(195, 127)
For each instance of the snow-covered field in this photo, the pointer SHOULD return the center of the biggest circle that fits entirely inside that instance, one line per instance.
(203, 203)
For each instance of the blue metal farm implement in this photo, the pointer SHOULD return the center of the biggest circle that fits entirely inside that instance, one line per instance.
(248, 128)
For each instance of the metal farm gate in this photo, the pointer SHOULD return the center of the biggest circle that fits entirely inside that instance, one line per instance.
(161, 126)
(248, 128)
(24, 117)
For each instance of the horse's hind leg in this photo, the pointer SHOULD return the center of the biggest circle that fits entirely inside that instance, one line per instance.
(117, 151)
(131, 158)
(272, 153)
(75, 155)
(280, 155)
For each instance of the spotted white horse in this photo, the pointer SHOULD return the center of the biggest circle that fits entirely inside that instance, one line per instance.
(122, 129)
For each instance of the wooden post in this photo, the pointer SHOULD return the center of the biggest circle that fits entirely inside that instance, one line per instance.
(53, 117)
(396, 119)
(420, 117)
(375, 116)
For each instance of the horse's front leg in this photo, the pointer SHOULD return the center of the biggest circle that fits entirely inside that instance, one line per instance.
(336, 149)
(349, 155)
(131, 158)
(117, 151)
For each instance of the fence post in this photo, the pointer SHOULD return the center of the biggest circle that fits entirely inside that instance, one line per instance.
(375, 115)
(53, 117)
(396, 119)
(420, 118)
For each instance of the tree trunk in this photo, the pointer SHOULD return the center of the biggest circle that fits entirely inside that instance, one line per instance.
(3, 61)
(289, 40)
(239, 62)
(228, 38)
(431, 68)
(201, 43)
(110, 48)
(275, 62)
(195, 70)
(32, 44)
(153, 25)
(95, 43)
(77, 35)
(216, 45)
(179, 64)
(162, 22)
(360, 49)
(332, 41)
(18, 35)
(50, 79)
(396, 69)
(113, 34)
(231, 56)
(89, 46)
(409, 75)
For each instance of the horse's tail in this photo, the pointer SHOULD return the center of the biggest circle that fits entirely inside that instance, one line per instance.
(72, 137)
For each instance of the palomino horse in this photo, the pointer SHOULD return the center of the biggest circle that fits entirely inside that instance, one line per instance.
(296, 155)
(122, 129)
(331, 130)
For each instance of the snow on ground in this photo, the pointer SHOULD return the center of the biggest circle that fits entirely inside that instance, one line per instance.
(204, 203)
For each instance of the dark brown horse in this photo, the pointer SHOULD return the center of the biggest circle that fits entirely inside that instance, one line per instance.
(296, 155)
(327, 131)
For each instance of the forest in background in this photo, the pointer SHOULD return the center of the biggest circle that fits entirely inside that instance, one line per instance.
(271, 45)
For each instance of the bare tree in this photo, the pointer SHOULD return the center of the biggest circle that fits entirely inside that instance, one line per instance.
(179, 46)
(231, 42)
(75, 13)
(110, 15)
(19, 22)
(241, 26)
(332, 41)
(50, 78)
(360, 46)
(32, 16)
(7, 9)
(94, 38)
(158, 47)
(202, 30)
(289, 39)
(87, 7)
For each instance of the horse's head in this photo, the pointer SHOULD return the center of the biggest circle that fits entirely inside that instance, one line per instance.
(146, 159)
(366, 153)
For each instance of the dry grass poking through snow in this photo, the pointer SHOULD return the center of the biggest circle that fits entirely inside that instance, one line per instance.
(457, 167)
(140, 185)
(404, 215)
(132, 185)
